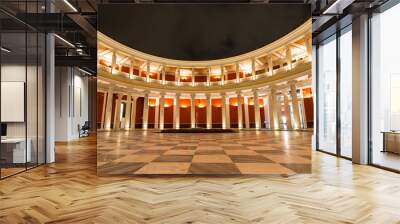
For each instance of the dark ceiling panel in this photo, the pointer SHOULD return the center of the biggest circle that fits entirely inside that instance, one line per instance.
(199, 31)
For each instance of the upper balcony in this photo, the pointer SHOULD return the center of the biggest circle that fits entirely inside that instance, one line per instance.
(286, 57)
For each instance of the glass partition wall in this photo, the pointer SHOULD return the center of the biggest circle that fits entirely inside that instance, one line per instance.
(326, 95)
(22, 100)
(334, 93)
(385, 89)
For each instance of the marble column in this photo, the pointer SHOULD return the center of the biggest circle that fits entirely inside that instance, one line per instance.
(157, 113)
(257, 110)
(237, 72)
(163, 75)
(308, 41)
(117, 115)
(287, 110)
(148, 71)
(193, 79)
(162, 102)
(222, 75)
(271, 112)
(278, 110)
(295, 106)
(223, 110)
(103, 110)
(246, 112)
(227, 112)
(303, 114)
(128, 111)
(177, 111)
(239, 107)
(131, 68)
(266, 113)
(209, 111)
(253, 67)
(178, 76)
(193, 111)
(145, 110)
(113, 61)
(209, 76)
(289, 58)
(270, 66)
(133, 113)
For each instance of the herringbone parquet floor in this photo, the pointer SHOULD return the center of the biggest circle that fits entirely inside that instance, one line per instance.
(70, 192)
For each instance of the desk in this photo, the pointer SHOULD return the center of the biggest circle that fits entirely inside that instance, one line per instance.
(391, 141)
(15, 148)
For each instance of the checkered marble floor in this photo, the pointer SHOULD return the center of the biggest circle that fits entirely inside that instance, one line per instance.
(247, 152)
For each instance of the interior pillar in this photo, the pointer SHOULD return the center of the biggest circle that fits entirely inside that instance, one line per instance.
(163, 74)
(266, 113)
(295, 106)
(308, 41)
(277, 111)
(131, 68)
(128, 111)
(237, 72)
(148, 71)
(287, 110)
(113, 61)
(239, 107)
(117, 115)
(110, 94)
(157, 113)
(223, 110)
(133, 113)
(209, 112)
(270, 66)
(227, 112)
(209, 76)
(177, 111)
(146, 110)
(253, 67)
(193, 81)
(271, 111)
(50, 94)
(246, 112)
(103, 110)
(360, 90)
(289, 58)
(162, 95)
(222, 75)
(257, 110)
(192, 111)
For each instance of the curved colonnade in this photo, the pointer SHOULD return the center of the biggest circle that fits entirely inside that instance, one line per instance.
(265, 88)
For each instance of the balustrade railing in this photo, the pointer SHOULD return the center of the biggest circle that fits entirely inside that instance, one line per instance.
(108, 69)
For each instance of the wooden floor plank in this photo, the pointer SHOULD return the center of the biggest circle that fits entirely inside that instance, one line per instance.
(70, 191)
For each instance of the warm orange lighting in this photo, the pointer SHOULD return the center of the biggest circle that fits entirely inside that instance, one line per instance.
(152, 102)
(184, 103)
(216, 102)
(260, 101)
(168, 102)
(307, 92)
(201, 103)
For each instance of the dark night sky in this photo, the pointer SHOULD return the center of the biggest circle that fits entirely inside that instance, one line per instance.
(199, 31)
